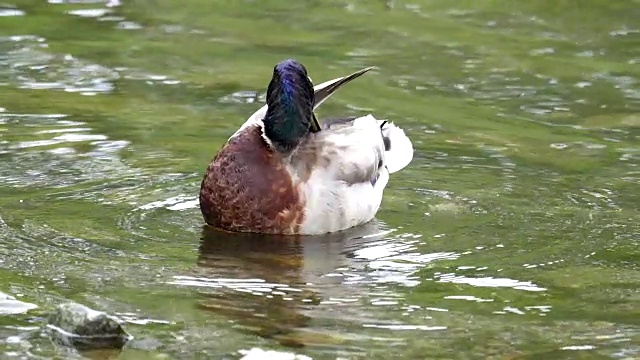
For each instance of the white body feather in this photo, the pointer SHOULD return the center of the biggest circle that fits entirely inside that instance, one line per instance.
(331, 203)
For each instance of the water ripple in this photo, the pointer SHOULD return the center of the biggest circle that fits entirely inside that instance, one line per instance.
(37, 147)
(252, 286)
(6, 11)
(9, 305)
(180, 202)
(29, 66)
(488, 282)
(405, 327)
(243, 97)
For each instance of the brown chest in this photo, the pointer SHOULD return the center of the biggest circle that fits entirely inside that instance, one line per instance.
(247, 188)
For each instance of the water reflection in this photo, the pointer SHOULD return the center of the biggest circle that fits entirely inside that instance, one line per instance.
(323, 291)
(269, 284)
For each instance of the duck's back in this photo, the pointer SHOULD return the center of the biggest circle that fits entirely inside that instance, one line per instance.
(247, 188)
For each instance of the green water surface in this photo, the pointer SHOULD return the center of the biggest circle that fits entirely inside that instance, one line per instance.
(513, 234)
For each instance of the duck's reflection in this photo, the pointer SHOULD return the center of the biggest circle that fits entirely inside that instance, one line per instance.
(268, 284)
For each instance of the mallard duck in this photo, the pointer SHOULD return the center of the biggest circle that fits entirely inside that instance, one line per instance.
(283, 172)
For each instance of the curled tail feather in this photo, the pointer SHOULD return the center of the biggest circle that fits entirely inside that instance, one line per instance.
(398, 148)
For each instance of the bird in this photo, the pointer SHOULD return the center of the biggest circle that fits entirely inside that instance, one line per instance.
(284, 172)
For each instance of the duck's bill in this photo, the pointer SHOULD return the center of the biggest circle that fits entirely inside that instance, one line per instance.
(323, 91)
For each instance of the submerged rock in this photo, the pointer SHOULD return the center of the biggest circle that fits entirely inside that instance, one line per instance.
(10, 306)
(76, 325)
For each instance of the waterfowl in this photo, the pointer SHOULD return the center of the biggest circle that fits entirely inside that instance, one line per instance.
(284, 172)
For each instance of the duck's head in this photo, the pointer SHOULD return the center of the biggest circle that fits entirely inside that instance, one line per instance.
(290, 101)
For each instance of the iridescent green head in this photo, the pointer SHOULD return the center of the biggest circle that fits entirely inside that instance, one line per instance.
(290, 101)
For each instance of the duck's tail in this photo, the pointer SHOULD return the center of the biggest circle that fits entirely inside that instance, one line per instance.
(398, 148)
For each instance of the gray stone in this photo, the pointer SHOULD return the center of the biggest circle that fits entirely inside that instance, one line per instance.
(76, 325)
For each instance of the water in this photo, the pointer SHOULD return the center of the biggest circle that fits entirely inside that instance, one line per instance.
(513, 234)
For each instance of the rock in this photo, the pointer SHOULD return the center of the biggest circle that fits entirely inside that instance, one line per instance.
(10, 306)
(76, 325)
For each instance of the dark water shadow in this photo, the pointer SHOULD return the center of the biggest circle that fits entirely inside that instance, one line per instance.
(270, 285)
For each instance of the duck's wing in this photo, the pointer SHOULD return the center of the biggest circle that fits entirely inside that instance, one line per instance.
(321, 92)
(342, 171)
(347, 151)
(354, 150)
(398, 149)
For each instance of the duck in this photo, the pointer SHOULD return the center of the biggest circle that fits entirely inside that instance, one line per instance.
(284, 172)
